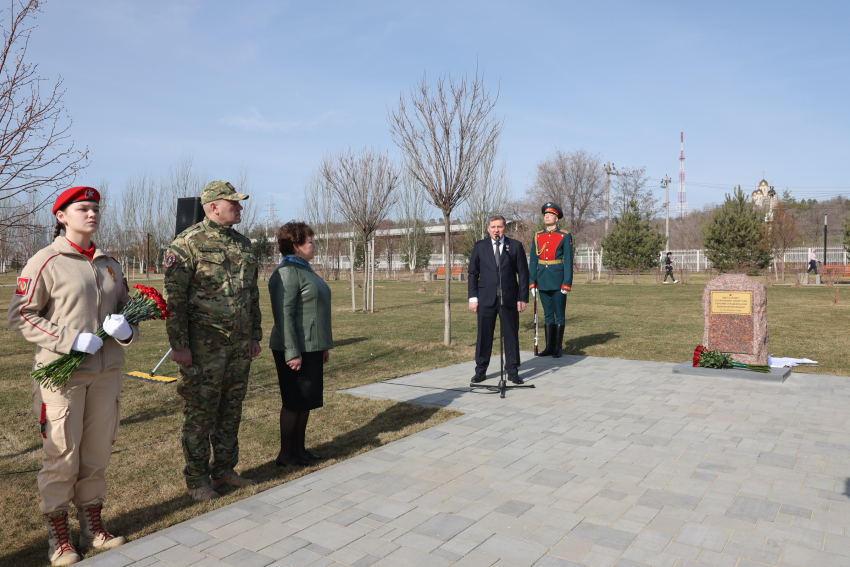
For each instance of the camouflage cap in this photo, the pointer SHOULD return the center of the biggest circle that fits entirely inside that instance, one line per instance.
(220, 190)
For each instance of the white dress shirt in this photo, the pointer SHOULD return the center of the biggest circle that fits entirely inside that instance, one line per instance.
(501, 246)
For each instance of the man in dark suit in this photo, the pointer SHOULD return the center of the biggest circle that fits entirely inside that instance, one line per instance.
(485, 287)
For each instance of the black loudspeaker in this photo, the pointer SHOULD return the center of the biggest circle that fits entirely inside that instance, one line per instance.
(189, 212)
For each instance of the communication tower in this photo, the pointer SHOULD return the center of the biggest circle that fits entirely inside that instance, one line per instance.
(682, 206)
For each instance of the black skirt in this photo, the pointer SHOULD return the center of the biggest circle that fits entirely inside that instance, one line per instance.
(301, 390)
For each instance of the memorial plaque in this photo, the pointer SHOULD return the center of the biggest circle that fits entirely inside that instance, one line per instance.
(735, 310)
(732, 303)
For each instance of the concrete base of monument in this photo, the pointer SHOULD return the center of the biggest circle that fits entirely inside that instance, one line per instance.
(776, 374)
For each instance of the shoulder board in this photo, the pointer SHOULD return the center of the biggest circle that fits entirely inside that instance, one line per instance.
(240, 236)
(194, 229)
(539, 232)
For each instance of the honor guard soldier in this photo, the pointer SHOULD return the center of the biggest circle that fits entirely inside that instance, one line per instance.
(551, 275)
(214, 331)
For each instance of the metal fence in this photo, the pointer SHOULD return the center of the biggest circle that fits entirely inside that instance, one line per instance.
(696, 261)
(590, 259)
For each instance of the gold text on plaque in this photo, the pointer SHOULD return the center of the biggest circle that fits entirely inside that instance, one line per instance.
(732, 302)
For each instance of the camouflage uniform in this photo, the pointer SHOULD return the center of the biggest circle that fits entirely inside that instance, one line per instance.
(211, 288)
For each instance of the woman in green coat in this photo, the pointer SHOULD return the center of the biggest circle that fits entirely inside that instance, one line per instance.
(301, 338)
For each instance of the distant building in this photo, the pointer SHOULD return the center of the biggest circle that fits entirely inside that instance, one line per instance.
(765, 199)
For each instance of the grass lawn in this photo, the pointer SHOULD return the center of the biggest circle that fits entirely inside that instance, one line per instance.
(147, 493)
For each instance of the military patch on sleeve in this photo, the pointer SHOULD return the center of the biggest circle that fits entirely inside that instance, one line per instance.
(23, 286)
(170, 259)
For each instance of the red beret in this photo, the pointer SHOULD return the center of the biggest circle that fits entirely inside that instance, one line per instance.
(75, 194)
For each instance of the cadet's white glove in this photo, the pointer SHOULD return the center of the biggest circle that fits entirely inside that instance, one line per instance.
(116, 326)
(564, 291)
(534, 292)
(87, 343)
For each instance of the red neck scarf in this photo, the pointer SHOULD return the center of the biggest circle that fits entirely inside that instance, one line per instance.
(87, 253)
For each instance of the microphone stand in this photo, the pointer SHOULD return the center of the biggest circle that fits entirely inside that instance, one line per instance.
(503, 385)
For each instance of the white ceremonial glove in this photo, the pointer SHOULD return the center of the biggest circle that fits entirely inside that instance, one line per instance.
(116, 326)
(564, 291)
(534, 292)
(87, 343)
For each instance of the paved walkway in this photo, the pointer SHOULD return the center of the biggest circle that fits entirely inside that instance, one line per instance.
(605, 463)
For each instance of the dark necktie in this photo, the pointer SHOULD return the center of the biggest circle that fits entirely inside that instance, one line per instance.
(498, 257)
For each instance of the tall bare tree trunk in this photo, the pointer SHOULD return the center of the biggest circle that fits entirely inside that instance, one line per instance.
(372, 269)
(351, 265)
(365, 274)
(447, 332)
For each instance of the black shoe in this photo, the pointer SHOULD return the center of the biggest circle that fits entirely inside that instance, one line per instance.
(312, 457)
(478, 378)
(559, 340)
(550, 340)
(298, 463)
(515, 378)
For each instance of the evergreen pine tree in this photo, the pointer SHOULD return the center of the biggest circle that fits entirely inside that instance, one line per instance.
(632, 243)
(733, 239)
(264, 251)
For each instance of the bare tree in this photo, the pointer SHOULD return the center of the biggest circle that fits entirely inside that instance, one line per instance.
(107, 234)
(251, 208)
(364, 185)
(630, 185)
(781, 234)
(412, 210)
(490, 194)
(322, 214)
(444, 134)
(575, 181)
(37, 157)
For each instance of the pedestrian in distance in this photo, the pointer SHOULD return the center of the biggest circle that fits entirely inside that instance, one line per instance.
(301, 339)
(65, 293)
(215, 332)
(490, 258)
(551, 276)
(813, 262)
(668, 268)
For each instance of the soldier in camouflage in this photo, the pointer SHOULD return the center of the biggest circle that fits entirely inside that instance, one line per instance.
(214, 331)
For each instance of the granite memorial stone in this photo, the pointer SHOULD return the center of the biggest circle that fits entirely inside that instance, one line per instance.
(735, 310)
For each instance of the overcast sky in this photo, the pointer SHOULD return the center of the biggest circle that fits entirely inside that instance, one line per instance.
(274, 85)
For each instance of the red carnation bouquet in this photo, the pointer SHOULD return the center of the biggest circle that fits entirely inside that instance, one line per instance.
(146, 304)
(716, 359)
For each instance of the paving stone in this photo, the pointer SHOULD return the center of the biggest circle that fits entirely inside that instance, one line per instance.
(555, 479)
(702, 536)
(519, 551)
(752, 509)
(608, 537)
(147, 547)
(180, 556)
(329, 535)
(443, 526)
(514, 508)
(246, 558)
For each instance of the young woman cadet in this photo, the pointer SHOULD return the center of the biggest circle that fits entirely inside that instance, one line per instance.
(65, 293)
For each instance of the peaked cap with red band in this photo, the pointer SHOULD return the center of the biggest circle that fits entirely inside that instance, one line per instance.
(75, 194)
(552, 208)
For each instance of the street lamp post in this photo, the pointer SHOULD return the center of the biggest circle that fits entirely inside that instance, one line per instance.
(609, 171)
(665, 184)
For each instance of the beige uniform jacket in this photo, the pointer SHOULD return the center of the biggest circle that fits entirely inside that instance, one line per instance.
(61, 294)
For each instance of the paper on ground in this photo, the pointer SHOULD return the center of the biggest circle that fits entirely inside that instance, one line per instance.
(774, 362)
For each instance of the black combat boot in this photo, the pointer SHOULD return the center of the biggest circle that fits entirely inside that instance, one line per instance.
(550, 340)
(559, 340)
